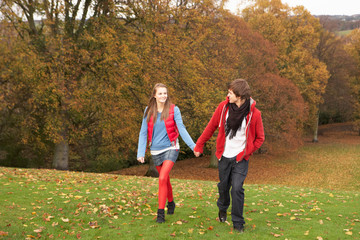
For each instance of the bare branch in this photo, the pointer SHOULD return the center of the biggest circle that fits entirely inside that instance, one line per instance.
(75, 11)
(83, 18)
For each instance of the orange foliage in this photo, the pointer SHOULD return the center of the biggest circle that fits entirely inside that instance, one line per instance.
(90, 80)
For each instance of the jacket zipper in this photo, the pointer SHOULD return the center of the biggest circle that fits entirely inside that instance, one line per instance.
(221, 118)
(247, 134)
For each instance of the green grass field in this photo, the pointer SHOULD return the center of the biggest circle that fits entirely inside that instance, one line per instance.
(323, 202)
(343, 33)
(51, 204)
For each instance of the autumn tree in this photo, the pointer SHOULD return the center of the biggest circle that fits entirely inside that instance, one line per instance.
(295, 32)
(89, 79)
(76, 85)
(338, 100)
(197, 48)
(16, 85)
(353, 48)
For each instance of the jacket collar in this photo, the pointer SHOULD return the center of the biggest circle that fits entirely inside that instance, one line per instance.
(252, 103)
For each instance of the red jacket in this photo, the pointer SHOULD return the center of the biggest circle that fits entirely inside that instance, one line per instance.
(170, 125)
(254, 131)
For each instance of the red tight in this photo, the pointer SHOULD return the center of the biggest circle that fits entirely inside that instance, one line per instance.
(165, 189)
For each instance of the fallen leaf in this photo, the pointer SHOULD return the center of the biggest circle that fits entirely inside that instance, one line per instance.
(93, 224)
(276, 235)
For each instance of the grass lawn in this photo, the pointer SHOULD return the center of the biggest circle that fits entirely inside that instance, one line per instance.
(343, 33)
(51, 204)
(313, 193)
(325, 166)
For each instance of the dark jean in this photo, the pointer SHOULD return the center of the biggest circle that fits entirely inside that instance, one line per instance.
(171, 155)
(232, 175)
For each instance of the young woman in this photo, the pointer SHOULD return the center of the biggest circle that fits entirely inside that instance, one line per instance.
(161, 125)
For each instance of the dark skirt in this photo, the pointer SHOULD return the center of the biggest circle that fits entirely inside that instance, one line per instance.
(171, 155)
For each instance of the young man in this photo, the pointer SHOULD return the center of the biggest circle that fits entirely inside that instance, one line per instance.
(241, 133)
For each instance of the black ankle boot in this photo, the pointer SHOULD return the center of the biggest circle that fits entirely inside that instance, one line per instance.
(171, 207)
(239, 228)
(160, 216)
(222, 216)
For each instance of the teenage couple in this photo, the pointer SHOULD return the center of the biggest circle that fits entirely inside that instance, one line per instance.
(240, 134)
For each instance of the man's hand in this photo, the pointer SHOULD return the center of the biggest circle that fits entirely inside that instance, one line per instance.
(141, 159)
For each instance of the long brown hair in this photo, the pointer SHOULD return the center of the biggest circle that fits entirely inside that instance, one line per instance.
(152, 106)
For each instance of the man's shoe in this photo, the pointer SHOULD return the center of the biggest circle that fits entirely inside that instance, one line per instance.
(171, 207)
(160, 216)
(222, 216)
(239, 228)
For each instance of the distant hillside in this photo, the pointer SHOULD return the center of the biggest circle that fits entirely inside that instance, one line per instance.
(337, 23)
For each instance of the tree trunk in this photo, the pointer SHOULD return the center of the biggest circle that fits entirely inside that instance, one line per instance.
(315, 139)
(152, 172)
(61, 156)
(213, 159)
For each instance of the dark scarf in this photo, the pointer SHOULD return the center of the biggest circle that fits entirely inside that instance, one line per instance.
(236, 117)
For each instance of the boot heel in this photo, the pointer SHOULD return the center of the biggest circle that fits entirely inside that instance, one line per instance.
(160, 216)
(171, 207)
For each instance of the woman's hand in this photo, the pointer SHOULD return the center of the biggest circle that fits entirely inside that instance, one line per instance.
(141, 159)
(197, 154)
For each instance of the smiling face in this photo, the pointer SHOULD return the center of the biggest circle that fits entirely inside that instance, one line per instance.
(161, 95)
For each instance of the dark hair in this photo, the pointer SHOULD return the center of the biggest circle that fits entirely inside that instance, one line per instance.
(241, 88)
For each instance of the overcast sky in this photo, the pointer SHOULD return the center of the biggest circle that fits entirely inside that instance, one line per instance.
(316, 7)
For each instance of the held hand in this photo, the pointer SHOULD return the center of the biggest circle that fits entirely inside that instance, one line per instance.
(141, 159)
(197, 154)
